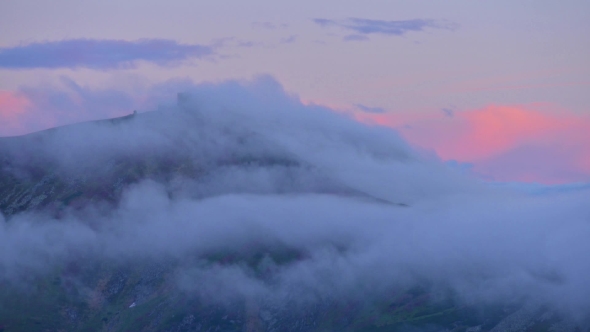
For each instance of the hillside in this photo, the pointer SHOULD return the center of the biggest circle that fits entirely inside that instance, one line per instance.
(188, 220)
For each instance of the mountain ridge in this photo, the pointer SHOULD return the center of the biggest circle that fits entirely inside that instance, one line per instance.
(194, 220)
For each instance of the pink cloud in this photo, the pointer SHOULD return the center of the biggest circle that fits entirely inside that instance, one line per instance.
(36, 108)
(12, 107)
(11, 104)
(533, 143)
(495, 129)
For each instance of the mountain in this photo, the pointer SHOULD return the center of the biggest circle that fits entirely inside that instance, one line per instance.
(149, 222)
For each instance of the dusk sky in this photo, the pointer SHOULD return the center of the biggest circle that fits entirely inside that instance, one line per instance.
(497, 88)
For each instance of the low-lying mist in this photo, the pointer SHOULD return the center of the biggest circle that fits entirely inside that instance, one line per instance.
(359, 211)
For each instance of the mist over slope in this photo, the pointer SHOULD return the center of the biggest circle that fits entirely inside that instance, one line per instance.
(243, 167)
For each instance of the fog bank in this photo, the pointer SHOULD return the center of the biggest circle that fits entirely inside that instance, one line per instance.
(364, 213)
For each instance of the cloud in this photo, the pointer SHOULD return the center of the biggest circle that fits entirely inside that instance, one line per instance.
(99, 54)
(448, 112)
(289, 40)
(541, 143)
(376, 110)
(553, 159)
(541, 189)
(13, 106)
(323, 22)
(364, 26)
(275, 174)
(68, 102)
(235, 42)
(269, 25)
(465, 168)
(355, 38)
(38, 107)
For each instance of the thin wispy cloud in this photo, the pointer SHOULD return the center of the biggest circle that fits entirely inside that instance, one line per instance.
(100, 54)
(363, 26)
(355, 38)
(448, 112)
(289, 40)
(231, 42)
(367, 109)
(269, 25)
(323, 22)
(248, 44)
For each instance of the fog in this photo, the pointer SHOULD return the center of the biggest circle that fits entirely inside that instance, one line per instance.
(366, 213)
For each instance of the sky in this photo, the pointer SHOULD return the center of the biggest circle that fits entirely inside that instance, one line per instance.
(498, 89)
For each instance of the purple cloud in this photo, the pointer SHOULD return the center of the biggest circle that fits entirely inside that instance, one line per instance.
(392, 28)
(448, 112)
(355, 38)
(289, 40)
(324, 22)
(99, 54)
(269, 25)
(376, 110)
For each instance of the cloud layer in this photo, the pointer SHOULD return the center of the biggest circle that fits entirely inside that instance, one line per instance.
(99, 54)
(279, 174)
